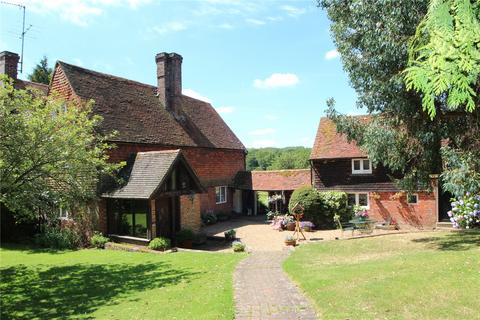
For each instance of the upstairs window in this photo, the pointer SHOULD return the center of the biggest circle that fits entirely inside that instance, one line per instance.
(361, 166)
(220, 194)
(358, 199)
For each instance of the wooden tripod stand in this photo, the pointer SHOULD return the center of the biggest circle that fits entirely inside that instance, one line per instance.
(297, 211)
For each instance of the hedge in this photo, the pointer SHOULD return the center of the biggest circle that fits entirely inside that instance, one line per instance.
(320, 207)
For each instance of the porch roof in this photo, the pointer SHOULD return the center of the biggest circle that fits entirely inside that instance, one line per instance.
(150, 170)
(273, 180)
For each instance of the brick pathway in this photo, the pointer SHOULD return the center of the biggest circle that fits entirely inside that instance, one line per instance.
(263, 290)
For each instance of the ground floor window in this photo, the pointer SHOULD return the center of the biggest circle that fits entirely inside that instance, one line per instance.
(412, 198)
(64, 214)
(221, 194)
(358, 199)
(130, 218)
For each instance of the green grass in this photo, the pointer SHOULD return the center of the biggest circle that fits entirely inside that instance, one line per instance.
(408, 276)
(105, 284)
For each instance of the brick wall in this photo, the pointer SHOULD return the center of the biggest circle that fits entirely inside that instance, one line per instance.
(420, 215)
(61, 86)
(190, 217)
(208, 202)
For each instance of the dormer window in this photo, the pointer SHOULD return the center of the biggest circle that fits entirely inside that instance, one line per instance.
(361, 166)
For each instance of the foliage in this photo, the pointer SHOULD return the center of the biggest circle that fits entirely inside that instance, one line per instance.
(56, 237)
(272, 214)
(465, 211)
(185, 235)
(230, 234)
(444, 61)
(42, 73)
(462, 171)
(372, 38)
(238, 246)
(45, 284)
(98, 240)
(50, 153)
(209, 218)
(160, 244)
(278, 158)
(307, 225)
(320, 207)
(399, 267)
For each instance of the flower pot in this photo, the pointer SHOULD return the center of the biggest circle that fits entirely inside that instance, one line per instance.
(291, 242)
(290, 226)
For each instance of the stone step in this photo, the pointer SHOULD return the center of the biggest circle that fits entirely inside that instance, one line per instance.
(445, 225)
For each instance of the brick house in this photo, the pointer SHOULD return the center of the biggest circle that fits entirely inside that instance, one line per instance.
(182, 157)
(339, 165)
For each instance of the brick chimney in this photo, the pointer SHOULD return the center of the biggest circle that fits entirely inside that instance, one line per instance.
(9, 64)
(169, 77)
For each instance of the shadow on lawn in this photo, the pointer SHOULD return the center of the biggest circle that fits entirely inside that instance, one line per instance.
(78, 290)
(453, 241)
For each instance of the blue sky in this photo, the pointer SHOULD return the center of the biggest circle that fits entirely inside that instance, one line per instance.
(267, 67)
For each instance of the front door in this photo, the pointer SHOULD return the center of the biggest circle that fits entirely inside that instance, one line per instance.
(168, 216)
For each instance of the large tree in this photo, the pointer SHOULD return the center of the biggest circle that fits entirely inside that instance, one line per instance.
(42, 73)
(372, 38)
(50, 152)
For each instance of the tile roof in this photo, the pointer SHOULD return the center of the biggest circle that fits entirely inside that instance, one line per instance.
(330, 144)
(24, 84)
(149, 171)
(134, 111)
(363, 187)
(273, 180)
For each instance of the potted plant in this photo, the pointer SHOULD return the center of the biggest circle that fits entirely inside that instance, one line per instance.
(288, 222)
(290, 241)
(230, 235)
(307, 226)
(185, 238)
(238, 246)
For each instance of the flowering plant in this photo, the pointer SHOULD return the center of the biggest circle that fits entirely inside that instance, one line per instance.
(307, 224)
(360, 212)
(465, 211)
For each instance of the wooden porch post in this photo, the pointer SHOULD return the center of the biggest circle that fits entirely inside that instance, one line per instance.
(153, 219)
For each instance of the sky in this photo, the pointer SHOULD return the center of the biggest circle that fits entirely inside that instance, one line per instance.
(267, 67)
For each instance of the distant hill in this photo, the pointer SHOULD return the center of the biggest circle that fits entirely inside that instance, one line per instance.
(278, 158)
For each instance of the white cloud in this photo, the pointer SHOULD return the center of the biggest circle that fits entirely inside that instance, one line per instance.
(263, 132)
(263, 143)
(225, 109)
(277, 80)
(79, 12)
(255, 22)
(196, 95)
(273, 19)
(227, 26)
(271, 117)
(172, 26)
(332, 54)
(293, 11)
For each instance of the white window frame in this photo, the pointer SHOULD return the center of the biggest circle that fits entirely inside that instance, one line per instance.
(361, 170)
(416, 197)
(63, 214)
(219, 189)
(357, 198)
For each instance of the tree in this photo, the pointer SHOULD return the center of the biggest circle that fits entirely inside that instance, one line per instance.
(372, 38)
(444, 61)
(278, 158)
(50, 153)
(41, 73)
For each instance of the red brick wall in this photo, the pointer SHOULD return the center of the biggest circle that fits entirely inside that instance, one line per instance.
(208, 202)
(420, 215)
(61, 86)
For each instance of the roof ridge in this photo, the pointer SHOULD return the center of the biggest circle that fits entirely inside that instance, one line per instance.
(280, 170)
(103, 74)
(160, 151)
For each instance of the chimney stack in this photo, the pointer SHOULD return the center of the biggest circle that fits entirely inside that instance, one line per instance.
(169, 77)
(9, 64)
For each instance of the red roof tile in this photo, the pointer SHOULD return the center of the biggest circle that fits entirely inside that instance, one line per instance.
(330, 144)
(134, 111)
(273, 180)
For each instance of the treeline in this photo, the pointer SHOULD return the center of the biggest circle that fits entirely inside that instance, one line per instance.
(278, 158)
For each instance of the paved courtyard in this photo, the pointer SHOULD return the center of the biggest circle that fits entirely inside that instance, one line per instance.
(262, 289)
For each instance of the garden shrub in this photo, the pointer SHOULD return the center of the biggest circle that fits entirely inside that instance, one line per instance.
(238, 246)
(57, 237)
(159, 244)
(465, 211)
(209, 218)
(320, 207)
(98, 240)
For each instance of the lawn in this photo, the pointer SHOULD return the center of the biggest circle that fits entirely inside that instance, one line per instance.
(106, 284)
(407, 276)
